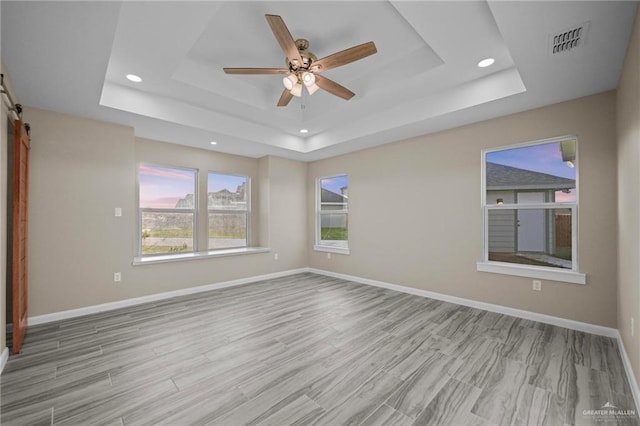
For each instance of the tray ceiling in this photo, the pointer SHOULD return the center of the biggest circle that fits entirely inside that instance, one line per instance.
(424, 77)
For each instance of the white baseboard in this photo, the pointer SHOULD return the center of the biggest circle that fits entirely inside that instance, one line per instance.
(72, 313)
(4, 357)
(547, 319)
(629, 370)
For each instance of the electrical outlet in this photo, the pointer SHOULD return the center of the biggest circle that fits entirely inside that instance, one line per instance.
(118, 211)
(537, 285)
(117, 277)
(328, 255)
(275, 256)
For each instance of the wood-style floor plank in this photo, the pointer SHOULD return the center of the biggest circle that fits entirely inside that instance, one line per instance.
(309, 349)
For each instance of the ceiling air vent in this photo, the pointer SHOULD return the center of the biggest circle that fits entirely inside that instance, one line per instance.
(567, 40)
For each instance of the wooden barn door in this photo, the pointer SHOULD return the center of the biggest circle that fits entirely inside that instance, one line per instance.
(20, 205)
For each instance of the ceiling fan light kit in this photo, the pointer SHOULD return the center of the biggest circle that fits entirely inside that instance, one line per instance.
(296, 90)
(303, 66)
(313, 88)
(308, 78)
(290, 81)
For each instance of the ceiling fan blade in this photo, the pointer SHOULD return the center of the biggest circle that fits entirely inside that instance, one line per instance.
(334, 88)
(282, 34)
(344, 57)
(255, 71)
(285, 98)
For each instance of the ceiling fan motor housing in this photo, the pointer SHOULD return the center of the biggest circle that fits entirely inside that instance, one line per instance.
(307, 57)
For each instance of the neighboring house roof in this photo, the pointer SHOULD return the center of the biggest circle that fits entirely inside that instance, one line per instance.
(500, 177)
(331, 197)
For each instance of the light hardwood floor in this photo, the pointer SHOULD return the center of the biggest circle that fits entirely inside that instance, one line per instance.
(309, 349)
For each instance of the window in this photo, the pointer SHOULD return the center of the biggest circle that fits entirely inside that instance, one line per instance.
(530, 203)
(332, 222)
(228, 210)
(167, 202)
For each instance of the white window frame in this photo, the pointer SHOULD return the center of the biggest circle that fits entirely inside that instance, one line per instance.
(531, 271)
(319, 246)
(141, 210)
(247, 211)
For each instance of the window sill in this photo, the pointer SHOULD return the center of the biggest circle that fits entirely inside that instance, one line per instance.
(332, 249)
(539, 272)
(198, 255)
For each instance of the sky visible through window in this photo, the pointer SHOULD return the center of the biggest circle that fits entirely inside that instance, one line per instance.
(217, 182)
(335, 183)
(542, 158)
(162, 187)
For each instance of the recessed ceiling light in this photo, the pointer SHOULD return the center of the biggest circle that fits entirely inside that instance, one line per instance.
(304, 131)
(213, 143)
(487, 62)
(134, 78)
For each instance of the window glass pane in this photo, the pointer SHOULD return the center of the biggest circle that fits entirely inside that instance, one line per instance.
(227, 192)
(227, 230)
(333, 219)
(166, 188)
(540, 237)
(334, 193)
(167, 232)
(547, 171)
(334, 229)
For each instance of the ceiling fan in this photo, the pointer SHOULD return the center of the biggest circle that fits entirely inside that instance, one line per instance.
(303, 67)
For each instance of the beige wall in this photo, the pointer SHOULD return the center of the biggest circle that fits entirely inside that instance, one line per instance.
(82, 169)
(628, 121)
(415, 218)
(288, 202)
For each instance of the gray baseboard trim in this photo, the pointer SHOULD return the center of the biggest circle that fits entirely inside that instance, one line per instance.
(72, 313)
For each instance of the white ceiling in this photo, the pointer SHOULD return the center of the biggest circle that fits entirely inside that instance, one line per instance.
(73, 57)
